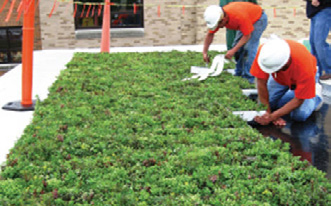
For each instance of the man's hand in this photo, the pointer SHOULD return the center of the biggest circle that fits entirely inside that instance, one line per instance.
(315, 3)
(229, 54)
(208, 40)
(279, 122)
(267, 118)
(264, 119)
(206, 57)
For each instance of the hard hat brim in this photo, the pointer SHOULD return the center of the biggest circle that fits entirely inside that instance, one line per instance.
(217, 14)
(273, 69)
(270, 70)
(214, 26)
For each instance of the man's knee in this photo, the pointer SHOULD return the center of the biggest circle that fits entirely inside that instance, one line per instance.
(301, 114)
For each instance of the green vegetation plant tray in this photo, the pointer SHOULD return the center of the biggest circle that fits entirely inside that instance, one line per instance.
(123, 129)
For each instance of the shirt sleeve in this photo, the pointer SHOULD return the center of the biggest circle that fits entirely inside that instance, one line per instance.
(213, 32)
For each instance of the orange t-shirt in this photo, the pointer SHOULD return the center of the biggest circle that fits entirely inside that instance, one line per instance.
(242, 16)
(300, 74)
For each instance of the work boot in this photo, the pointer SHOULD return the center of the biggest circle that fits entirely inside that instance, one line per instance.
(325, 77)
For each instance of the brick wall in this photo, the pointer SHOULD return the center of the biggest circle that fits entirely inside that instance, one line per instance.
(173, 27)
(285, 24)
(14, 21)
(287, 18)
(58, 31)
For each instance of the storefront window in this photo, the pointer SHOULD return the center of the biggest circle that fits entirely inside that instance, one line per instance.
(89, 14)
(10, 45)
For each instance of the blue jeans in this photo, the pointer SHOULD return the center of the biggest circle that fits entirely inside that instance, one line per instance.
(246, 54)
(279, 95)
(320, 27)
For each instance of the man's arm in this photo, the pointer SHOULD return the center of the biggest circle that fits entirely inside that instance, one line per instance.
(244, 39)
(263, 93)
(275, 116)
(287, 108)
(208, 40)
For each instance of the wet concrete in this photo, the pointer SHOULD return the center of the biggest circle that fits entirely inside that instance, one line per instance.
(310, 139)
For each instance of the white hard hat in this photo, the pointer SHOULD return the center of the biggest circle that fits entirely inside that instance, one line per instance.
(213, 14)
(274, 55)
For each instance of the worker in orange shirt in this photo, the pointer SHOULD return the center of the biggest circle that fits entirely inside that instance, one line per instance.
(249, 20)
(287, 81)
(231, 34)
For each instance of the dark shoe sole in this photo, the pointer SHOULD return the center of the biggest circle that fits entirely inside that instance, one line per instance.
(325, 77)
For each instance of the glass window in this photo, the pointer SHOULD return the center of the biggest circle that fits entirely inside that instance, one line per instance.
(3, 39)
(15, 38)
(10, 44)
(3, 57)
(123, 14)
(16, 56)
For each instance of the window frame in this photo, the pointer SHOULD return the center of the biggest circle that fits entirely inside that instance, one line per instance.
(78, 18)
(10, 48)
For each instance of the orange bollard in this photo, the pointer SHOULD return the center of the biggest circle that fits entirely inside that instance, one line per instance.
(27, 54)
(26, 103)
(105, 38)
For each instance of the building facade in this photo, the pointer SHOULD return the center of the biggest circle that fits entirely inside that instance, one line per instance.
(63, 24)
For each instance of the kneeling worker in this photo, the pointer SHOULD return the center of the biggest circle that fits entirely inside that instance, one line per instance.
(287, 79)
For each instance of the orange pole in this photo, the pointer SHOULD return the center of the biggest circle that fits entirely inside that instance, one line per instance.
(105, 38)
(27, 53)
